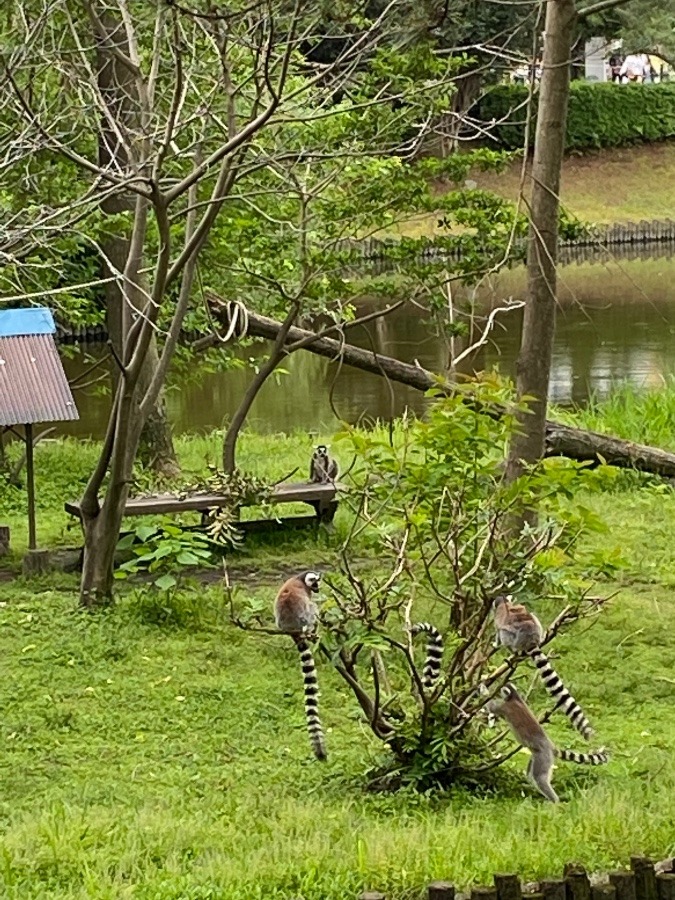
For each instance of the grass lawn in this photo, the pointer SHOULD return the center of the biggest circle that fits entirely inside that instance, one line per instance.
(154, 762)
(627, 184)
(621, 185)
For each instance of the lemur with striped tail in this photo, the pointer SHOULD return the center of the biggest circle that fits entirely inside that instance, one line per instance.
(521, 631)
(512, 708)
(296, 613)
(432, 665)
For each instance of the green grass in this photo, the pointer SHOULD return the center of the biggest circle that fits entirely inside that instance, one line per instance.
(62, 466)
(161, 763)
(647, 416)
(622, 185)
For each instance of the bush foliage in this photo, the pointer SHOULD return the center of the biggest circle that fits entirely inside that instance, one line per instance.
(600, 115)
(430, 499)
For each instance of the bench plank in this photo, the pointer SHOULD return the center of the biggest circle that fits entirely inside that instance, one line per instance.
(318, 495)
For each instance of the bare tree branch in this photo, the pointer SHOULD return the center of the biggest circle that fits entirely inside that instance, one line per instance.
(600, 7)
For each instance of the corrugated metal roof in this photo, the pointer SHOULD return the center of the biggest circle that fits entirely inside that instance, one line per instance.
(35, 320)
(33, 385)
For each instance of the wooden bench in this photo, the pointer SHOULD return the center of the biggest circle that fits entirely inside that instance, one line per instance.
(321, 497)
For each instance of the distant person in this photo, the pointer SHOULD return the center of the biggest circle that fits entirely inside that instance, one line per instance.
(647, 71)
(632, 68)
(615, 63)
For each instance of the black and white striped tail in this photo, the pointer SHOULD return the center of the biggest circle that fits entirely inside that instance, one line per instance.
(311, 685)
(432, 665)
(584, 759)
(564, 700)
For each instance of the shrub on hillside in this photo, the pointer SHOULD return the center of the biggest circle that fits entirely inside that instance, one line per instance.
(600, 115)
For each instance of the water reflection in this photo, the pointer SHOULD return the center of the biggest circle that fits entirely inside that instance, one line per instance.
(616, 323)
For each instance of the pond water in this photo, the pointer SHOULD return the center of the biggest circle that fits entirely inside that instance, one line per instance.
(616, 323)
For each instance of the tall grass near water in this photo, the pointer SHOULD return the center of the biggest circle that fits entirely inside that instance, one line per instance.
(634, 413)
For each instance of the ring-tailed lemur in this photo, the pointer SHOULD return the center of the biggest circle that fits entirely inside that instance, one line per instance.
(297, 614)
(520, 630)
(513, 709)
(322, 469)
(432, 665)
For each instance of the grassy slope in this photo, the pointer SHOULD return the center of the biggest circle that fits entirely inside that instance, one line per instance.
(158, 763)
(624, 185)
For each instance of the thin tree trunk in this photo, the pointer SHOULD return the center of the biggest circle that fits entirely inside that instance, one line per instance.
(117, 88)
(242, 411)
(536, 349)
(102, 523)
(238, 419)
(155, 448)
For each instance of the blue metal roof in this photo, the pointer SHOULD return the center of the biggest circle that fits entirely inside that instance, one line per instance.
(33, 385)
(35, 320)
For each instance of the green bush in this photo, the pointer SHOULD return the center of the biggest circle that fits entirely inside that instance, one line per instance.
(600, 115)
(434, 493)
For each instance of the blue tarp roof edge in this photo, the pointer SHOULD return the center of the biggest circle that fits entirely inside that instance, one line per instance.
(35, 320)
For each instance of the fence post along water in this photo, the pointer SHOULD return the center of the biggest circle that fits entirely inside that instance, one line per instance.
(645, 880)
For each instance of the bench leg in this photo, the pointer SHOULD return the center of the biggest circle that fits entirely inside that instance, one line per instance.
(325, 510)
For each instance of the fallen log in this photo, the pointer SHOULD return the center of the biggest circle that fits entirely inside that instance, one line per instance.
(561, 440)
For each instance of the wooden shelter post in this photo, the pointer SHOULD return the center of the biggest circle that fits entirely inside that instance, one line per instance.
(33, 388)
(30, 488)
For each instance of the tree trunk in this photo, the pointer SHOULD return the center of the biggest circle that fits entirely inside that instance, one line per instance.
(468, 86)
(97, 566)
(4, 467)
(536, 349)
(264, 372)
(117, 87)
(155, 448)
(102, 523)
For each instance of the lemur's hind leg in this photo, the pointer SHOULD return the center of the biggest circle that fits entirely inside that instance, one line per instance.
(539, 771)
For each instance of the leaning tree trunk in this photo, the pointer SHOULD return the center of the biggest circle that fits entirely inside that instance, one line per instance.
(117, 89)
(263, 373)
(101, 523)
(536, 348)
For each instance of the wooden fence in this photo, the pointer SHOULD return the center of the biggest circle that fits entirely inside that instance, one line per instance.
(599, 253)
(629, 234)
(97, 334)
(644, 881)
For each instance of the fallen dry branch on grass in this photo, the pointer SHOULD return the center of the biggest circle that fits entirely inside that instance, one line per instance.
(561, 440)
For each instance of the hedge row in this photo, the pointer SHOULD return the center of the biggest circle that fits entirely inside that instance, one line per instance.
(600, 115)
